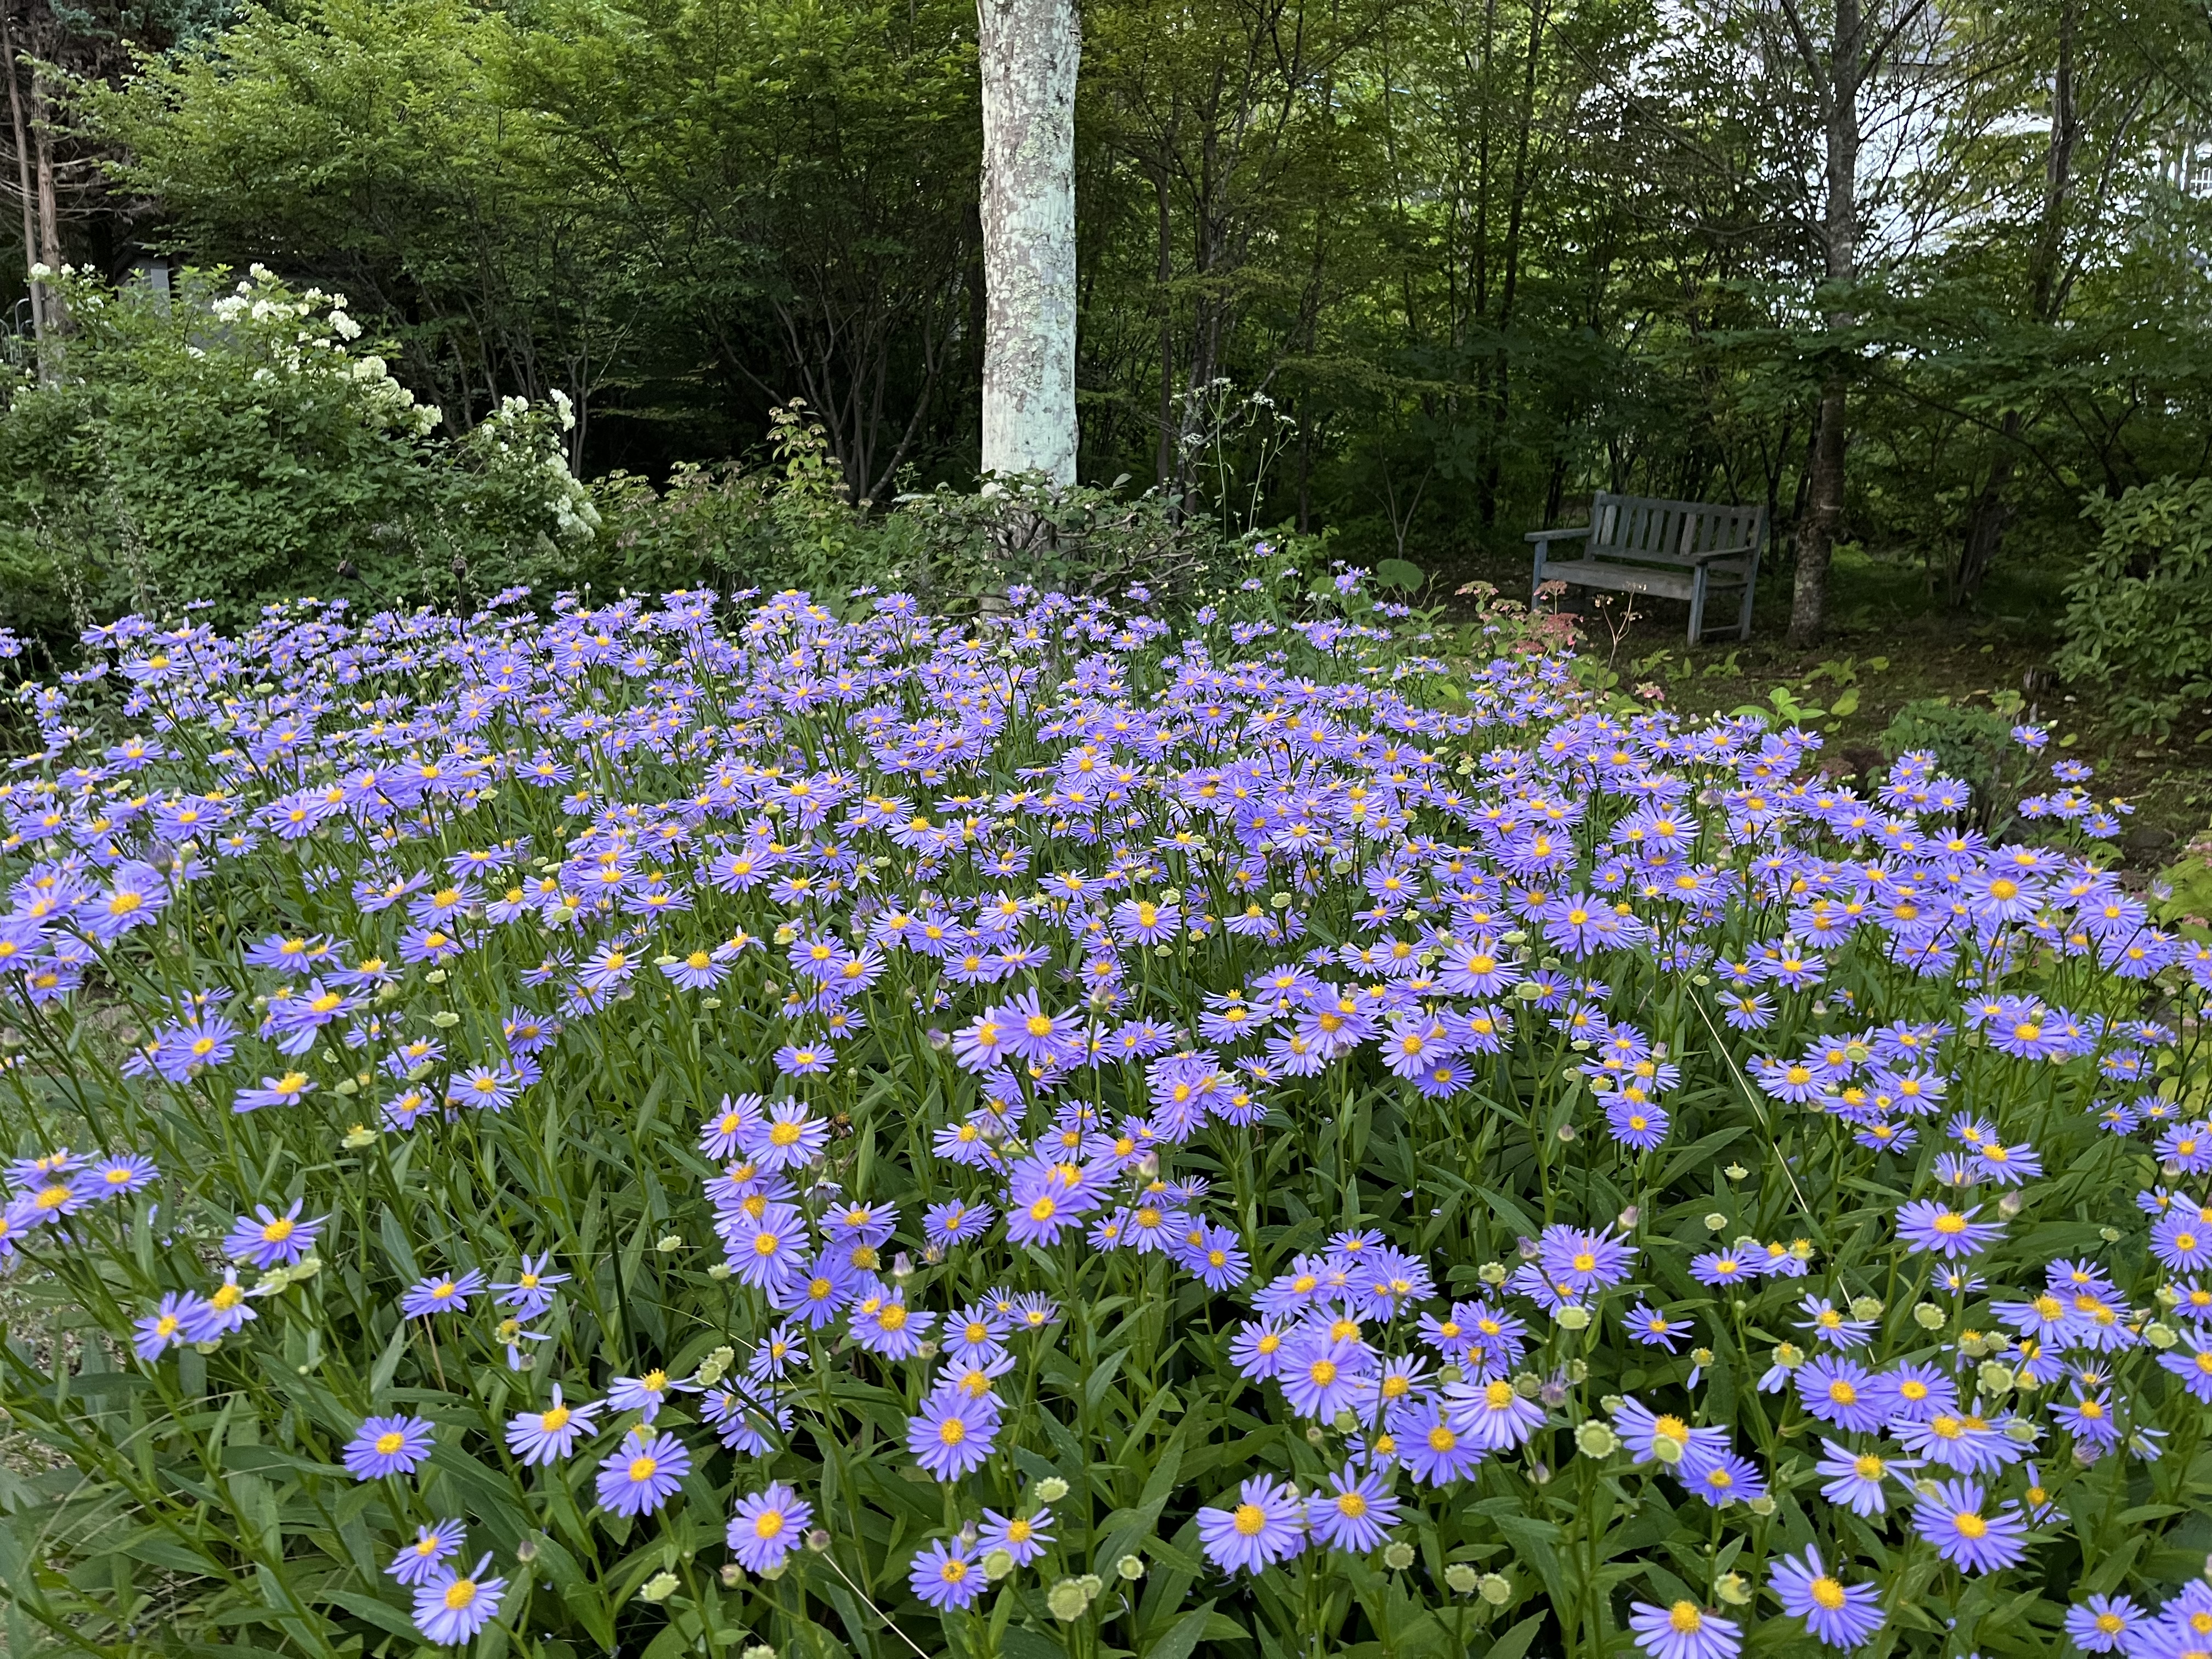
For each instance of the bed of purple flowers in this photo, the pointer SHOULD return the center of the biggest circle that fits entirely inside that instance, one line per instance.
(660, 1128)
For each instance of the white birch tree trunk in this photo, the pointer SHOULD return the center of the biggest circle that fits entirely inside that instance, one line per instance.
(1030, 51)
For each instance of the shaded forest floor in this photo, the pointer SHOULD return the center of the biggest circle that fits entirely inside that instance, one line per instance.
(1893, 643)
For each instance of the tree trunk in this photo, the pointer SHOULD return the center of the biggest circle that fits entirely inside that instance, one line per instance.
(1992, 511)
(1839, 239)
(22, 136)
(1030, 51)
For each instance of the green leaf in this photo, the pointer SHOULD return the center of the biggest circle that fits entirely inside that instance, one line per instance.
(1183, 1637)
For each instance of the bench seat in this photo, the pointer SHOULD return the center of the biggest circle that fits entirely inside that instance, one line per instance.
(1670, 549)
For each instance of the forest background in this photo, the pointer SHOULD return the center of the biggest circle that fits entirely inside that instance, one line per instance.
(1928, 277)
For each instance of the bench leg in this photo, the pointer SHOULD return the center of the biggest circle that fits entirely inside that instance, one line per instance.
(1743, 615)
(1536, 580)
(1697, 605)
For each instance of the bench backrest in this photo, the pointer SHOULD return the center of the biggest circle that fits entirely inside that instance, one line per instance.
(1643, 528)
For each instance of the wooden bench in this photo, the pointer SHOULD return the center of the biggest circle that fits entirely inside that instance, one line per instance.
(1677, 549)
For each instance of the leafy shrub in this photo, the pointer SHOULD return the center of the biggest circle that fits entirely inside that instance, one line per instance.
(1061, 1133)
(238, 441)
(2139, 616)
(1971, 744)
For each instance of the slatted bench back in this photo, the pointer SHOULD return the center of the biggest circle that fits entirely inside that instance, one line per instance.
(1643, 528)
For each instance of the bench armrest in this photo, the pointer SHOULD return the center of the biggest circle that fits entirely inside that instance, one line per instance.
(1556, 535)
(1722, 553)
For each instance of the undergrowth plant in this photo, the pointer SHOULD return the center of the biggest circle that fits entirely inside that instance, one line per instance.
(660, 1128)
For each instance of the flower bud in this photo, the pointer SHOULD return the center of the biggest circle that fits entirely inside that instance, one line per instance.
(1130, 1568)
(1540, 1474)
(526, 1551)
(1866, 1307)
(1668, 1449)
(2011, 1203)
(1762, 1505)
(1461, 1578)
(1398, 1556)
(1928, 1316)
(1495, 1588)
(2110, 1235)
(2160, 1335)
(718, 1270)
(1314, 1434)
(1627, 1219)
(1733, 1588)
(817, 1541)
(1596, 1439)
(658, 1588)
(1573, 1318)
(1051, 1489)
(733, 1574)
(1715, 1222)
(1492, 1273)
(1736, 1172)
(1789, 1356)
(445, 1020)
(998, 1564)
(762, 1650)
(1702, 1358)
(669, 1243)
(1996, 1379)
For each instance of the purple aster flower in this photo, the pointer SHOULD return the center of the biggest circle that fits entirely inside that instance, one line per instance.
(441, 1293)
(1951, 1518)
(1943, 1232)
(418, 1563)
(126, 1172)
(1646, 1432)
(1434, 1452)
(954, 1222)
(388, 1445)
(222, 1311)
(1260, 1349)
(1267, 1525)
(647, 1394)
(546, 1436)
(531, 1292)
(804, 1059)
(1322, 1375)
(450, 1609)
(643, 1473)
(954, 1434)
(167, 1326)
(1653, 1328)
(1839, 1615)
(947, 1575)
(883, 1324)
(1492, 1416)
(767, 1526)
(1024, 1537)
(789, 1137)
(1684, 1630)
(1721, 1478)
(738, 1116)
(266, 1239)
(2103, 1624)
(1579, 1261)
(1356, 1514)
(1839, 1391)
